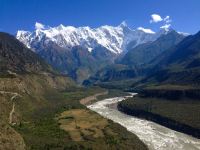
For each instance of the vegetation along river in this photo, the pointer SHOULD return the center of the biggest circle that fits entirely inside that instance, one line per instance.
(157, 137)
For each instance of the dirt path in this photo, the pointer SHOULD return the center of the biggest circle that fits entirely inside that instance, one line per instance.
(11, 114)
(13, 104)
(87, 100)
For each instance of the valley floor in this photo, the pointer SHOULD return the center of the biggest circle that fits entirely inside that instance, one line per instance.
(70, 125)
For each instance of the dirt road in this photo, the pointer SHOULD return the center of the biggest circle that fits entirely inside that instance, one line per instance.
(89, 99)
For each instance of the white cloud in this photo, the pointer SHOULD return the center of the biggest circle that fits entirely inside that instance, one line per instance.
(167, 24)
(167, 19)
(39, 26)
(184, 33)
(166, 27)
(155, 18)
(146, 30)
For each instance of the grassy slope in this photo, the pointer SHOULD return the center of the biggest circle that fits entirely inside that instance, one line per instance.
(45, 97)
(43, 132)
(31, 88)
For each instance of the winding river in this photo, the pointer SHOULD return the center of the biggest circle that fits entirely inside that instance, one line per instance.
(155, 136)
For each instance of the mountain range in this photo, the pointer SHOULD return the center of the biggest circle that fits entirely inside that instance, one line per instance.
(114, 39)
(81, 52)
(180, 64)
(174, 61)
(108, 53)
(137, 59)
(146, 52)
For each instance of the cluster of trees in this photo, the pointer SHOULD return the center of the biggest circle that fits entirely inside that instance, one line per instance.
(171, 93)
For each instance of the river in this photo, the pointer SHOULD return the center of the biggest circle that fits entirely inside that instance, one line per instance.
(155, 136)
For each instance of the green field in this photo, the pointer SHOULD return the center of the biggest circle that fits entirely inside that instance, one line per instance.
(36, 122)
(41, 129)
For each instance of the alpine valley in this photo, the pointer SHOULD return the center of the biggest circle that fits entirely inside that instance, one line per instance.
(75, 76)
(71, 88)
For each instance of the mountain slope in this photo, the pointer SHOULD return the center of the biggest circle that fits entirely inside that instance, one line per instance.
(14, 56)
(144, 53)
(131, 64)
(77, 62)
(179, 65)
(184, 54)
(25, 79)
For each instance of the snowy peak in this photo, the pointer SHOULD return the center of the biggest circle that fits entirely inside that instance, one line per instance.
(146, 30)
(114, 39)
(123, 24)
(23, 36)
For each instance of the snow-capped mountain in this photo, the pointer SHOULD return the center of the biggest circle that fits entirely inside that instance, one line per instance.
(81, 52)
(114, 39)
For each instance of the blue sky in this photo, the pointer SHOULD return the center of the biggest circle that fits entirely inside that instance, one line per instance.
(22, 14)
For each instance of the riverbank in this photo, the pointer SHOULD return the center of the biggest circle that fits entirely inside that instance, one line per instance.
(92, 131)
(182, 115)
(64, 123)
(89, 99)
(157, 137)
